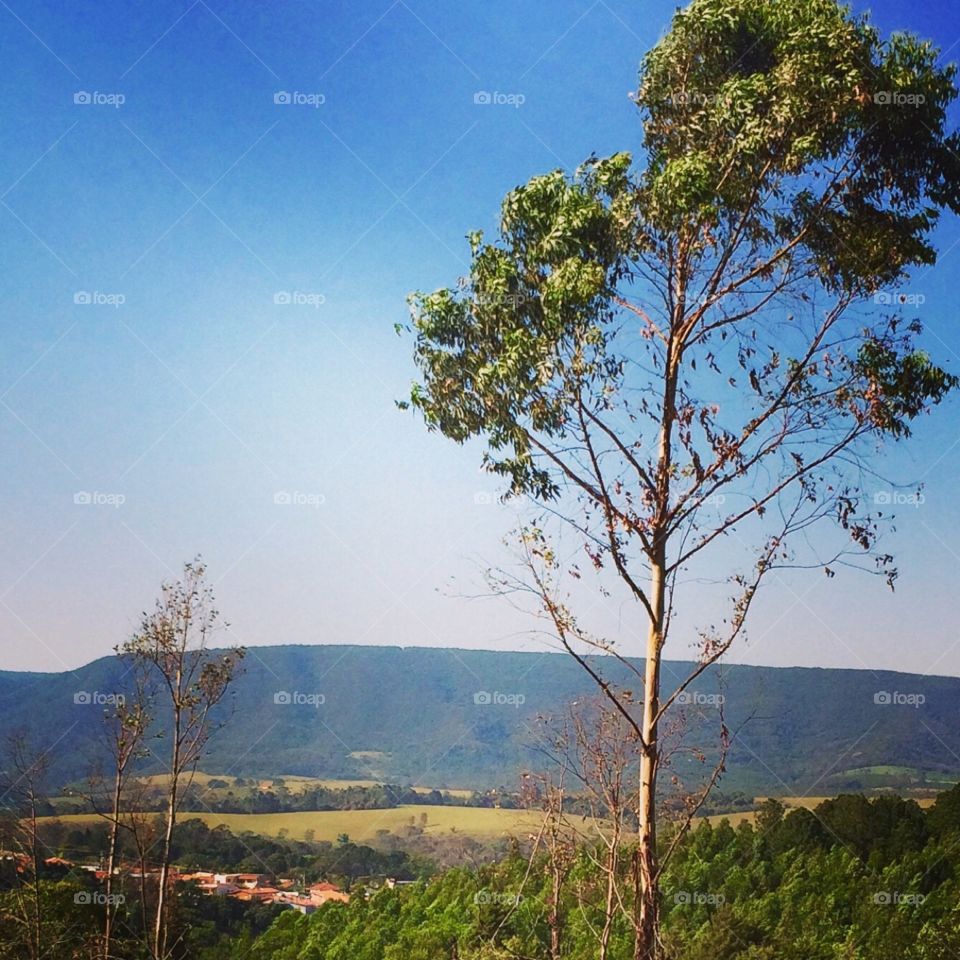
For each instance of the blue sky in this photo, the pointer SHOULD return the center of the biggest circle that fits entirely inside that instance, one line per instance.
(150, 366)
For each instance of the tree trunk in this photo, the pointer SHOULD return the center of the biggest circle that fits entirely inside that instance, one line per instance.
(111, 860)
(610, 904)
(553, 917)
(35, 855)
(160, 926)
(645, 873)
(139, 837)
(647, 905)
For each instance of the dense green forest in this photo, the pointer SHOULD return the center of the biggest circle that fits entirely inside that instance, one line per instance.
(858, 878)
(199, 847)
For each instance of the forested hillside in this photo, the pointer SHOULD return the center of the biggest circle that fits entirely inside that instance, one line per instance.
(412, 715)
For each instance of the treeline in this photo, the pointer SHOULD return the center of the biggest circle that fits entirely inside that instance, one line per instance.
(197, 846)
(219, 796)
(856, 878)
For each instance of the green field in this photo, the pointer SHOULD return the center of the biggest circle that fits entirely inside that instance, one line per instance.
(362, 825)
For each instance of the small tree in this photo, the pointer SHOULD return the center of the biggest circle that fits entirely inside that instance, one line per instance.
(605, 758)
(172, 644)
(126, 729)
(677, 352)
(24, 784)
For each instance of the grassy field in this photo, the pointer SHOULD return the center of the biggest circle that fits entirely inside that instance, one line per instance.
(362, 825)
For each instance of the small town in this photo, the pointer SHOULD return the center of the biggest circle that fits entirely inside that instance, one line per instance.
(261, 888)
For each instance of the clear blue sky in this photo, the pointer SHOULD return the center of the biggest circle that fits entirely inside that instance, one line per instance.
(199, 202)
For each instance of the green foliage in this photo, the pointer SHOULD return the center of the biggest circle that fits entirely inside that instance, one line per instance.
(199, 847)
(902, 382)
(879, 880)
(745, 96)
(944, 816)
(789, 154)
(512, 352)
(880, 891)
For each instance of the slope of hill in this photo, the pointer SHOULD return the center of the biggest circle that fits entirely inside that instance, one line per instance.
(467, 718)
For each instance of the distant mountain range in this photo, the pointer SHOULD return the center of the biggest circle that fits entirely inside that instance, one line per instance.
(469, 718)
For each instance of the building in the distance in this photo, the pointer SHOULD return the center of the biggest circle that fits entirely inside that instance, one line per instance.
(321, 893)
(296, 902)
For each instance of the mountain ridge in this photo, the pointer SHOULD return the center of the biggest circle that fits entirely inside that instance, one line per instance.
(448, 716)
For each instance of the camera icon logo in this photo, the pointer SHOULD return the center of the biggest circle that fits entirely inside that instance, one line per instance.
(82, 297)
(282, 697)
(82, 697)
(282, 298)
(482, 697)
(482, 97)
(281, 97)
(81, 96)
